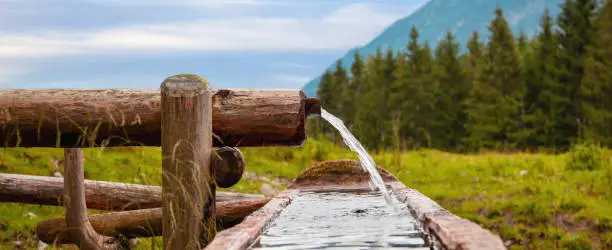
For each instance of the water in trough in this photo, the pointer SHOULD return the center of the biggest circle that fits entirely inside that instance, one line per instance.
(343, 220)
(372, 219)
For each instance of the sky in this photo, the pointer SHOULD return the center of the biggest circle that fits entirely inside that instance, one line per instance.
(138, 43)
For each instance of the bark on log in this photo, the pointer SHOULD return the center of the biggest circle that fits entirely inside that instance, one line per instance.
(188, 185)
(128, 117)
(83, 234)
(31, 189)
(143, 223)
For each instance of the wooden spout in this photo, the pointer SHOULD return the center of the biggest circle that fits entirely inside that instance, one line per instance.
(132, 117)
(313, 107)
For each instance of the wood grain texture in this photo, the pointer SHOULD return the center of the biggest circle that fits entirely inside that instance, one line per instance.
(188, 189)
(102, 195)
(127, 117)
(144, 222)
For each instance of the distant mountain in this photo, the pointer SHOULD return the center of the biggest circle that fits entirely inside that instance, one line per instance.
(462, 17)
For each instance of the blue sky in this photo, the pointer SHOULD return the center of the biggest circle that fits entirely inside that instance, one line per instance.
(138, 43)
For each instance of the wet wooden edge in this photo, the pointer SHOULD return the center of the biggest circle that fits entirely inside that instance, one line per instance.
(248, 231)
(453, 232)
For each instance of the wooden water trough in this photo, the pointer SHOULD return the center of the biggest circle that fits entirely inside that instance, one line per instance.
(448, 231)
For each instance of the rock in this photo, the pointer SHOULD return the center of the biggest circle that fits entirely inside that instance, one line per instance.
(267, 190)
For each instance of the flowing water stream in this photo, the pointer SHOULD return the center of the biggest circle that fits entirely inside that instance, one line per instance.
(367, 163)
(346, 219)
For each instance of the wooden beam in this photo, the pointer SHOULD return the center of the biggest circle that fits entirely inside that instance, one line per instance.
(102, 195)
(143, 223)
(188, 189)
(128, 117)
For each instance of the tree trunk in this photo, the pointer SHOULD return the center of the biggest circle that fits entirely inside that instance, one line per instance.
(123, 117)
(143, 223)
(100, 195)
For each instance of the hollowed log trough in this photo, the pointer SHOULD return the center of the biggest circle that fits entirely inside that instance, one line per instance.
(448, 231)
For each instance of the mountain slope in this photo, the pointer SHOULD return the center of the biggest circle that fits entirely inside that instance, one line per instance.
(462, 17)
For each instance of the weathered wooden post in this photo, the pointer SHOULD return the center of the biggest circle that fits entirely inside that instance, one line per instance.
(187, 182)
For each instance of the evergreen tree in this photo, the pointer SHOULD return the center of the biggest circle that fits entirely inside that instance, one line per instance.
(494, 107)
(325, 93)
(367, 121)
(576, 33)
(475, 54)
(473, 59)
(597, 84)
(386, 82)
(545, 99)
(357, 82)
(451, 91)
(343, 103)
(419, 102)
(397, 97)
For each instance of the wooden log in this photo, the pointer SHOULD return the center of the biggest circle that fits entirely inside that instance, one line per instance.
(128, 117)
(143, 223)
(187, 177)
(228, 165)
(80, 230)
(102, 195)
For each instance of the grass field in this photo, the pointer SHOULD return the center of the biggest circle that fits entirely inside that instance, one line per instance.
(533, 201)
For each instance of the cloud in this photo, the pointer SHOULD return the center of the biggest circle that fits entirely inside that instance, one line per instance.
(346, 27)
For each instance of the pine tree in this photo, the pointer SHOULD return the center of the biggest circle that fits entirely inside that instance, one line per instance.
(386, 84)
(356, 86)
(325, 91)
(576, 34)
(419, 87)
(597, 84)
(494, 105)
(343, 95)
(475, 53)
(397, 97)
(450, 93)
(326, 95)
(367, 120)
(544, 98)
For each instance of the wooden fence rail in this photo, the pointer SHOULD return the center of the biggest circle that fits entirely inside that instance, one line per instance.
(186, 118)
(132, 117)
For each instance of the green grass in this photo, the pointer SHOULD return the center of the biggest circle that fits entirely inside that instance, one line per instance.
(533, 201)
